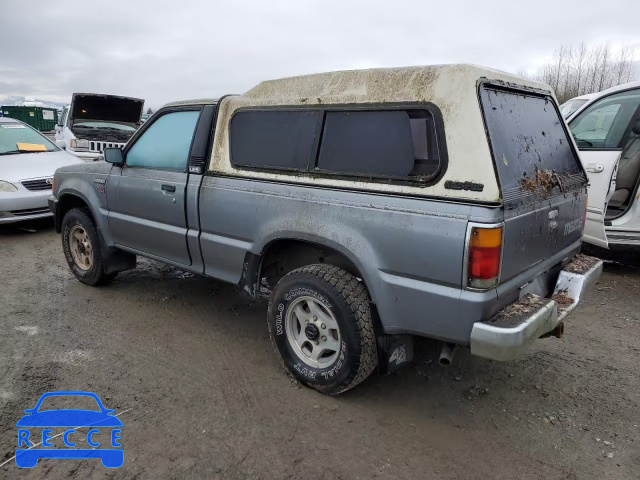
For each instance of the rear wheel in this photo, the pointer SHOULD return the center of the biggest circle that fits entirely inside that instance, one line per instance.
(81, 246)
(320, 324)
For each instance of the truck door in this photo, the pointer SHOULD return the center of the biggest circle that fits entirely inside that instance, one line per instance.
(146, 196)
(601, 168)
(599, 131)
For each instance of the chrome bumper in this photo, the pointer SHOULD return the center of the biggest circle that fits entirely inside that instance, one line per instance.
(506, 343)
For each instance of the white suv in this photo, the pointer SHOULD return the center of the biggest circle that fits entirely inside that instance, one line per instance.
(93, 122)
(607, 132)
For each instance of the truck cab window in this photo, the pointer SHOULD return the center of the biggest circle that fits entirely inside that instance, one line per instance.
(165, 144)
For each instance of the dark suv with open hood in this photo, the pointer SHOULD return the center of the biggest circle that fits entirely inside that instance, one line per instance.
(93, 122)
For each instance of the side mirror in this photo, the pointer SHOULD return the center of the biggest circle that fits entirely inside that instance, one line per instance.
(62, 144)
(113, 155)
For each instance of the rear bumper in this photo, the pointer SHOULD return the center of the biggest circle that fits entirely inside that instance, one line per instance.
(496, 340)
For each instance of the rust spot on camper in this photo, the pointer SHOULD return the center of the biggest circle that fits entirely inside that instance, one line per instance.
(528, 184)
(545, 181)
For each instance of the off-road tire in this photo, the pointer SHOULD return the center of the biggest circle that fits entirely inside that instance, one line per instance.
(348, 300)
(94, 275)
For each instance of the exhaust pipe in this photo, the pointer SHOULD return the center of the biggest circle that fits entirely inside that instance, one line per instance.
(557, 332)
(446, 356)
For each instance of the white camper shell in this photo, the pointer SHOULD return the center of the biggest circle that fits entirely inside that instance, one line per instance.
(453, 89)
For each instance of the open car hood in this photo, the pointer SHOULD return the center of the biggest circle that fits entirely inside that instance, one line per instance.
(106, 108)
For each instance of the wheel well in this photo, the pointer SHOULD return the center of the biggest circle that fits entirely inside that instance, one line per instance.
(282, 256)
(66, 203)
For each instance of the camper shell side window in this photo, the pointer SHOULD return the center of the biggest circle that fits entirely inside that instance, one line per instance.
(396, 143)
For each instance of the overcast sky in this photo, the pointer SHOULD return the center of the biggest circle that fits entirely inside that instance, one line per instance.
(164, 51)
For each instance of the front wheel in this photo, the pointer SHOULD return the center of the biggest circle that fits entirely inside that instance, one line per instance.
(320, 324)
(81, 246)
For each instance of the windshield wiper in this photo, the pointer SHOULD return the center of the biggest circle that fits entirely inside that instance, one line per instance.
(12, 152)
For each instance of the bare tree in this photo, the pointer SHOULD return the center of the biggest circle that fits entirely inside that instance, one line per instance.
(580, 66)
(585, 69)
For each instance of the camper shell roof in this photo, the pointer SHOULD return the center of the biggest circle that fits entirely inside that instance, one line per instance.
(453, 89)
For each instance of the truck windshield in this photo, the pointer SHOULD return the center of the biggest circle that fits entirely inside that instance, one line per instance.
(530, 145)
(19, 138)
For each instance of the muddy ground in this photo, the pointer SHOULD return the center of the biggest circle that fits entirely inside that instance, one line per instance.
(187, 364)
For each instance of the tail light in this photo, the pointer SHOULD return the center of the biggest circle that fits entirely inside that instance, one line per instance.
(484, 257)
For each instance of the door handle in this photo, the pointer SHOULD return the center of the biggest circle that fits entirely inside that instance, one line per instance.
(595, 167)
(168, 188)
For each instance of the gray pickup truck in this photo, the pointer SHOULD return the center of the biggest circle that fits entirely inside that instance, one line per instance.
(373, 206)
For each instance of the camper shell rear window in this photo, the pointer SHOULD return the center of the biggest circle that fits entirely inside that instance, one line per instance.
(533, 154)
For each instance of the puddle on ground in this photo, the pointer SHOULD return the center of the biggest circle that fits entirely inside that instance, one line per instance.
(73, 357)
(28, 329)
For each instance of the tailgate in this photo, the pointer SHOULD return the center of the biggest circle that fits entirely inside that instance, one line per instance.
(542, 182)
(531, 236)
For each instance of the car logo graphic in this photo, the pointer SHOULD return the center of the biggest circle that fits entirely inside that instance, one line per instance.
(49, 181)
(70, 419)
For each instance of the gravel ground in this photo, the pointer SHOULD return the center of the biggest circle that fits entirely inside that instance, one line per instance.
(187, 364)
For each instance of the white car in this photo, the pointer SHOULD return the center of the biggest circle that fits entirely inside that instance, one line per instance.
(93, 122)
(571, 106)
(607, 132)
(27, 163)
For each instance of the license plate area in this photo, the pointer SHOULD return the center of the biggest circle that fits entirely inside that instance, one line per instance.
(542, 285)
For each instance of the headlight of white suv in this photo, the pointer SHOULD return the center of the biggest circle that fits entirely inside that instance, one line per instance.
(7, 187)
(79, 144)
